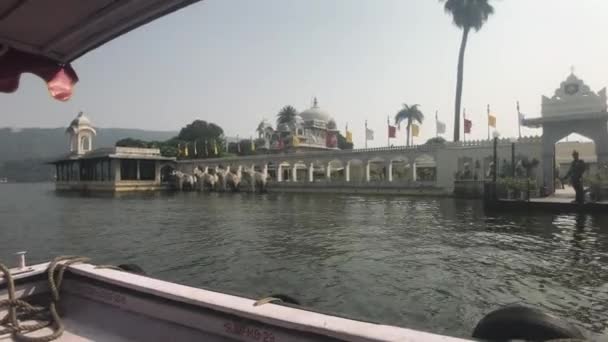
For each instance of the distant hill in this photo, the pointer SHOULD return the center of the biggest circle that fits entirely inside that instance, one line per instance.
(24, 151)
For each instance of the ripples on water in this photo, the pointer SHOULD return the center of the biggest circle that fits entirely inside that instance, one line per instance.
(435, 264)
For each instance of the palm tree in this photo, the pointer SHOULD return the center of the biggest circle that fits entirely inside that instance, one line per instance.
(287, 115)
(411, 114)
(466, 14)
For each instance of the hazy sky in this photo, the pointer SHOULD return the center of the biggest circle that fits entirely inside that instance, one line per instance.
(234, 62)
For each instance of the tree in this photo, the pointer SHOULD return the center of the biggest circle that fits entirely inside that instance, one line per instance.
(199, 133)
(436, 141)
(343, 144)
(466, 14)
(287, 115)
(201, 130)
(130, 142)
(410, 114)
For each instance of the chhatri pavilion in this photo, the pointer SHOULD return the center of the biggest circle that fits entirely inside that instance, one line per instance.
(312, 129)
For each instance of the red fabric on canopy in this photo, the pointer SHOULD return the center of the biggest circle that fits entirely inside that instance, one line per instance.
(60, 79)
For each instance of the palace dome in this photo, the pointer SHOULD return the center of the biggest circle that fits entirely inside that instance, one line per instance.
(298, 121)
(315, 113)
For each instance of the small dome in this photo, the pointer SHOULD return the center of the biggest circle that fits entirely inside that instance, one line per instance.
(81, 120)
(315, 113)
(266, 124)
(331, 124)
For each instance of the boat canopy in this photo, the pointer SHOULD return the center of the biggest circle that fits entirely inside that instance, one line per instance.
(43, 37)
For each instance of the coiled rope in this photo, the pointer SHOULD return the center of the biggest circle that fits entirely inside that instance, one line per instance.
(20, 310)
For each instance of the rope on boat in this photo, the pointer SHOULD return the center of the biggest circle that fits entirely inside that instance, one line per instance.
(19, 309)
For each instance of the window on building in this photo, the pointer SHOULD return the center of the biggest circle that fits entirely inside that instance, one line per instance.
(128, 169)
(73, 171)
(147, 169)
(85, 143)
(110, 172)
(104, 170)
(98, 170)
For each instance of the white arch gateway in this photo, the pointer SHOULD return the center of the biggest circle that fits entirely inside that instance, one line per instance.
(573, 108)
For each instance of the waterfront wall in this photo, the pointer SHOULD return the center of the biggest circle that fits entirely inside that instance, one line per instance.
(432, 167)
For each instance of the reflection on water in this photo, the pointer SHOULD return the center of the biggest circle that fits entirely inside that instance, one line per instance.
(429, 263)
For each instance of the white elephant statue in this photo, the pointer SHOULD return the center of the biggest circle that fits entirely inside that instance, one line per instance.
(226, 180)
(205, 180)
(184, 181)
(233, 181)
(257, 180)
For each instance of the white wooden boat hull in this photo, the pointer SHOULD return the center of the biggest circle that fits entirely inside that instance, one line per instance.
(101, 304)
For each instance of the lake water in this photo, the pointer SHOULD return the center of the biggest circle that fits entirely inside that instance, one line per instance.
(435, 264)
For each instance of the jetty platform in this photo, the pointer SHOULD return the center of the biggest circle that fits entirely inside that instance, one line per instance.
(560, 201)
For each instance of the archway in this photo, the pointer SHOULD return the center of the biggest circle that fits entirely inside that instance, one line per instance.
(400, 169)
(284, 172)
(425, 168)
(563, 159)
(335, 171)
(85, 143)
(573, 108)
(299, 171)
(554, 136)
(166, 173)
(272, 171)
(355, 171)
(377, 170)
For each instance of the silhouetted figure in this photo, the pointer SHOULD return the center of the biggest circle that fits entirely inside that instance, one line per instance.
(577, 168)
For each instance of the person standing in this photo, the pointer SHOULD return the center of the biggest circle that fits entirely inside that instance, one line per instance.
(577, 168)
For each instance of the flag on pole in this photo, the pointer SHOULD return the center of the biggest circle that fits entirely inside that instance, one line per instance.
(349, 137)
(392, 131)
(468, 124)
(415, 130)
(520, 120)
(215, 147)
(195, 151)
(186, 150)
(491, 120)
(439, 126)
(369, 134)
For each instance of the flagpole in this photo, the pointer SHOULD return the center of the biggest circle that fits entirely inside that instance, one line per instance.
(464, 116)
(436, 124)
(518, 120)
(365, 133)
(488, 122)
(388, 128)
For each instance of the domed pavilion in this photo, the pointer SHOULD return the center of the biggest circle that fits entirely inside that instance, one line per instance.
(312, 129)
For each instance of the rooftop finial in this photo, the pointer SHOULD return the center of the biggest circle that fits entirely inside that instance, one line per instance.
(80, 113)
(315, 103)
(572, 69)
